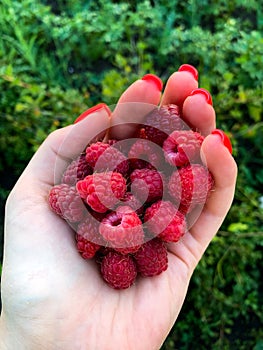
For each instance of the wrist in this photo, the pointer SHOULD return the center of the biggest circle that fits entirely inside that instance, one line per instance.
(10, 338)
(3, 345)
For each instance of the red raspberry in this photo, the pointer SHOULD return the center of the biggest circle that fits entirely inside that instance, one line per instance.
(89, 229)
(162, 122)
(86, 248)
(151, 259)
(182, 147)
(102, 156)
(101, 191)
(77, 170)
(112, 142)
(113, 224)
(147, 184)
(130, 200)
(144, 154)
(102, 252)
(123, 230)
(94, 151)
(118, 270)
(65, 201)
(96, 215)
(185, 209)
(191, 185)
(163, 219)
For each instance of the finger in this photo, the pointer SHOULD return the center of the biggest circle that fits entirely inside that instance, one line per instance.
(224, 170)
(138, 100)
(198, 111)
(180, 85)
(223, 167)
(63, 145)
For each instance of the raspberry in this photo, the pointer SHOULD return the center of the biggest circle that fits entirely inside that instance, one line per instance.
(112, 142)
(182, 147)
(102, 252)
(96, 215)
(77, 170)
(162, 122)
(163, 219)
(123, 230)
(86, 248)
(130, 200)
(185, 209)
(147, 184)
(94, 151)
(191, 185)
(144, 154)
(123, 226)
(151, 259)
(89, 230)
(102, 156)
(101, 191)
(118, 270)
(65, 201)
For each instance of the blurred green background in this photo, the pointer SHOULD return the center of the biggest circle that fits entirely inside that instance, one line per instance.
(57, 58)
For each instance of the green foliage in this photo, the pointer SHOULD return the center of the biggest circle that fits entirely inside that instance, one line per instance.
(32, 110)
(223, 309)
(58, 58)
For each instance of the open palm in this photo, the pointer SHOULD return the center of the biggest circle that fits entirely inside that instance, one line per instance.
(52, 298)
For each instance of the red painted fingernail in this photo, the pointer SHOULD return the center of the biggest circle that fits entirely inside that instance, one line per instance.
(190, 69)
(226, 141)
(154, 79)
(92, 110)
(205, 93)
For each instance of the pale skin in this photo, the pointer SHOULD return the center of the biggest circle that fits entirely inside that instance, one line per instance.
(52, 298)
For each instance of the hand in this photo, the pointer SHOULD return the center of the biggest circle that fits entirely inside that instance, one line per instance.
(52, 298)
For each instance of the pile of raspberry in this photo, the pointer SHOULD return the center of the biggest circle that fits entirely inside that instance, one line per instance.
(127, 199)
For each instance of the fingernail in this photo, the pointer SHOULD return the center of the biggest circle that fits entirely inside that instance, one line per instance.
(154, 79)
(224, 138)
(190, 69)
(92, 110)
(203, 92)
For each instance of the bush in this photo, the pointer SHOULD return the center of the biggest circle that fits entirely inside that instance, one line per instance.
(58, 58)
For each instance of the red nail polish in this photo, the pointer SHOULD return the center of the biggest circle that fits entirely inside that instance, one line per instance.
(190, 69)
(204, 93)
(226, 141)
(92, 110)
(154, 79)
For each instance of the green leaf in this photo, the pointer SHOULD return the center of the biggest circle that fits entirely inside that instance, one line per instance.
(237, 227)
